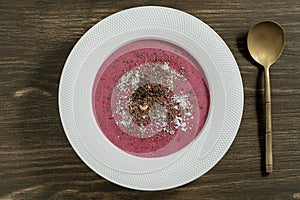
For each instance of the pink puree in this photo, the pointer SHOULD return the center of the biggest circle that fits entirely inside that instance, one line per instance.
(128, 57)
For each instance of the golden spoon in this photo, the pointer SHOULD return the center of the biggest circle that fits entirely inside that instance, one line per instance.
(265, 43)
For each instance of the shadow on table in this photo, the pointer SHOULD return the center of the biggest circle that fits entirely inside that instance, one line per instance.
(260, 105)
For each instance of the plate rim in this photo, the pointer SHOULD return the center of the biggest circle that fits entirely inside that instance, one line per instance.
(63, 78)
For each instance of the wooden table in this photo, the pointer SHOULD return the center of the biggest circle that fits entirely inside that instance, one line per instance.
(37, 161)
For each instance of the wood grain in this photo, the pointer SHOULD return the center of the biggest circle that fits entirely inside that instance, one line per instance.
(37, 162)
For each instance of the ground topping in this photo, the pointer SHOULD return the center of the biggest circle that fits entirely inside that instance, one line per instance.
(144, 102)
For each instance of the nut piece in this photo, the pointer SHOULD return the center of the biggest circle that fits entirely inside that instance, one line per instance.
(143, 107)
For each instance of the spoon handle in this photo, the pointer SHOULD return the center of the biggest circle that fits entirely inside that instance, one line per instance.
(269, 157)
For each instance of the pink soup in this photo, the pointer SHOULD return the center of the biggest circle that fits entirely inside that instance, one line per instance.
(150, 98)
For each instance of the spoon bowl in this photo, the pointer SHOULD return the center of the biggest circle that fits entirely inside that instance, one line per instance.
(266, 43)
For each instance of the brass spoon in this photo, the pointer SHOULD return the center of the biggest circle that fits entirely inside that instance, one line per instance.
(265, 43)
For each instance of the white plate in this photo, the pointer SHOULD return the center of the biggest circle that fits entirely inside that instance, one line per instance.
(224, 82)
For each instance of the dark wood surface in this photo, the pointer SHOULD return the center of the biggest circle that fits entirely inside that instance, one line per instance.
(37, 161)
